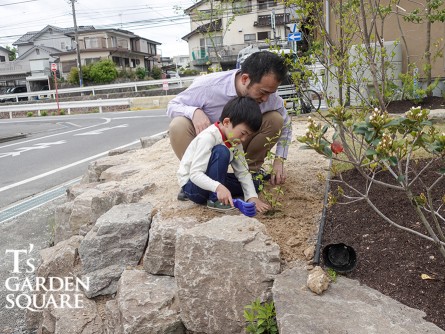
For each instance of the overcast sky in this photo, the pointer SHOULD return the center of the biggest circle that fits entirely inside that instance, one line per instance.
(152, 19)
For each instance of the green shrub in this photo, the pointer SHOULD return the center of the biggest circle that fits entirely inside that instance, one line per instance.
(44, 113)
(156, 73)
(30, 114)
(103, 71)
(189, 72)
(140, 73)
(260, 318)
(62, 112)
(125, 73)
(73, 76)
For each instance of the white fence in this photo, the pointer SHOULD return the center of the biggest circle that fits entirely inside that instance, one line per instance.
(175, 82)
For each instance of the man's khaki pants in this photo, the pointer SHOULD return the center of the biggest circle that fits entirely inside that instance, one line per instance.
(182, 132)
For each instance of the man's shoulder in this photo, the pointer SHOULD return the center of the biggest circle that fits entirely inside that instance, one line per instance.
(214, 78)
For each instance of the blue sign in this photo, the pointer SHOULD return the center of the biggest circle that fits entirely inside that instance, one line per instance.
(294, 37)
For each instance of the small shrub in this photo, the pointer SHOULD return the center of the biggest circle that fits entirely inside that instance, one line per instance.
(260, 318)
(103, 71)
(62, 112)
(156, 73)
(44, 113)
(140, 73)
(29, 114)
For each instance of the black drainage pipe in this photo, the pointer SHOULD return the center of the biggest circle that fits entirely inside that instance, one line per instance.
(323, 216)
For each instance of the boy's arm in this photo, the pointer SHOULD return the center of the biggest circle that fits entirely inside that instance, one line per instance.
(200, 162)
(239, 165)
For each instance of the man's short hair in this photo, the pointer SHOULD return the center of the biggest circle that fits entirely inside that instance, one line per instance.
(243, 109)
(261, 63)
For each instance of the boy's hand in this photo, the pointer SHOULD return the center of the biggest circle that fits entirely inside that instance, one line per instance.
(259, 204)
(224, 195)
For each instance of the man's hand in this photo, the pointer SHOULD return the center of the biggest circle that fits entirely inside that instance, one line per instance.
(224, 195)
(259, 204)
(200, 121)
(278, 174)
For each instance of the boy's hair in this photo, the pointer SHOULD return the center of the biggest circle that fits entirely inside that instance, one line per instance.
(260, 63)
(243, 109)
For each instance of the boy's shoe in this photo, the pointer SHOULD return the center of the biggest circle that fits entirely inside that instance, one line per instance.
(220, 207)
(182, 196)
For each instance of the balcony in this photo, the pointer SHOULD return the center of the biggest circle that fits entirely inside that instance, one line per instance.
(265, 20)
(227, 54)
(15, 67)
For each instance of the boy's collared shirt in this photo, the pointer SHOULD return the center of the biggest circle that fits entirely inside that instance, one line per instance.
(196, 158)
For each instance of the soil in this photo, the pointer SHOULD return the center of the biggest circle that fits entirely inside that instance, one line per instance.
(433, 102)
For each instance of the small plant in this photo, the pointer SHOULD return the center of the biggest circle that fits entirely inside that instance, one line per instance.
(53, 113)
(44, 113)
(332, 274)
(29, 114)
(62, 112)
(261, 318)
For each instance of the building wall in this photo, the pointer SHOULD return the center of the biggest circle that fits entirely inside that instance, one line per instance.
(54, 40)
(415, 36)
(4, 55)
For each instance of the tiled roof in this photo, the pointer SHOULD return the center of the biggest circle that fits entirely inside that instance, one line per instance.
(30, 36)
(46, 48)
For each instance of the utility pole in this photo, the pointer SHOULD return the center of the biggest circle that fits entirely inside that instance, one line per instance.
(76, 37)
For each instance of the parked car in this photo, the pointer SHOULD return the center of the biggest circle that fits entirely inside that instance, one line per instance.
(15, 90)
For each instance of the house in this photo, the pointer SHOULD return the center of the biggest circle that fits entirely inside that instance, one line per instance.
(38, 49)
(220, 29)
(124, 48)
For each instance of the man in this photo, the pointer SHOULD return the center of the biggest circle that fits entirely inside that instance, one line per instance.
(201, 104)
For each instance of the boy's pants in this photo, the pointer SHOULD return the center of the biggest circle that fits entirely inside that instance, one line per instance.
(182, 132)
(216, 170)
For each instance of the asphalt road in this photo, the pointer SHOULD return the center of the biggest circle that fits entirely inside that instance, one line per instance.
(58, 149)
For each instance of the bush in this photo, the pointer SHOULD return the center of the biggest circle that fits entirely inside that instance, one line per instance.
(127, 74)
(103, 71)
(140, 73)
(44, 113)
(73, 76)
(156, 73)
(29, 114)
(189, 72)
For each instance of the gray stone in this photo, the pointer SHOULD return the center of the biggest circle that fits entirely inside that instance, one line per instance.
(70, 320)
(220, 267)
(144, 304)
(119, 173)
(346, 307)
(60, 260)
(159, 258)
(97, 167)
(117, 240)
(150, 141)
(62, 215)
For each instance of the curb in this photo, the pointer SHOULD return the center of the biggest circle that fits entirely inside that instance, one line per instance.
(12, 137)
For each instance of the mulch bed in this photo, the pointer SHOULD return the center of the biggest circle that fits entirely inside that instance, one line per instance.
(400, 107)
(389, 259)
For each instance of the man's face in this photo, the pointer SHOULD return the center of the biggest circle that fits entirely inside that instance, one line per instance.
(260, 91)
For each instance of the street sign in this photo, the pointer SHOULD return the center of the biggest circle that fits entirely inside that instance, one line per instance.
(53, 67)
(292, 27)
(165, 85)
(294, 37)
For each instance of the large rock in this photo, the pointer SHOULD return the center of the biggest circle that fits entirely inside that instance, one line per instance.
(97, 167)
(82, 318)
(117, 240)
(346, 307)
(220, 267)
(144, 304)
(60, 260)
(159, 258)
(78, 216)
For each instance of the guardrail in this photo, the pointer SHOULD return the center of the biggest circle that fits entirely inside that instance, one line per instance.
(93, 89)
(68, 105)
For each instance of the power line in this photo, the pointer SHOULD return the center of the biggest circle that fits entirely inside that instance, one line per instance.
(16, 3)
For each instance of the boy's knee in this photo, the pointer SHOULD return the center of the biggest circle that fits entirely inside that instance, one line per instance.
(222, 151)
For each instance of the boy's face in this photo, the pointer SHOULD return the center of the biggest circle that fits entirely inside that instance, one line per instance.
(236, 134)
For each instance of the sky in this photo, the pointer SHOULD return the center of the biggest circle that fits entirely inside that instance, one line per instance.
(157, 20)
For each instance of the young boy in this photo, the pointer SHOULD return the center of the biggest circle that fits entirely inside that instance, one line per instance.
(202, 173)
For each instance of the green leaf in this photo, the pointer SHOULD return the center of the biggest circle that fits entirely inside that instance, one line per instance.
(395, 122)
(442, 170)
(393, 161)
(324, 129)
(370, 152)
(327, 151)
(401, 178)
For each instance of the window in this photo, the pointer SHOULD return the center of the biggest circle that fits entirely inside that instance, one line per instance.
(249, 37)
(113, 41)
(2, 59)
(262, 4)
(262, 35)
(91, 60)
(92, 43)
(37, 51)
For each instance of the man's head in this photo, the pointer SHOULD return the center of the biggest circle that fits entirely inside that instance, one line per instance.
(261, 74)
(241, 117)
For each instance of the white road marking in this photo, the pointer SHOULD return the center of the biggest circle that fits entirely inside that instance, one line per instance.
(100, 131)
(14, 185)
(107, 120)
(38, 146)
